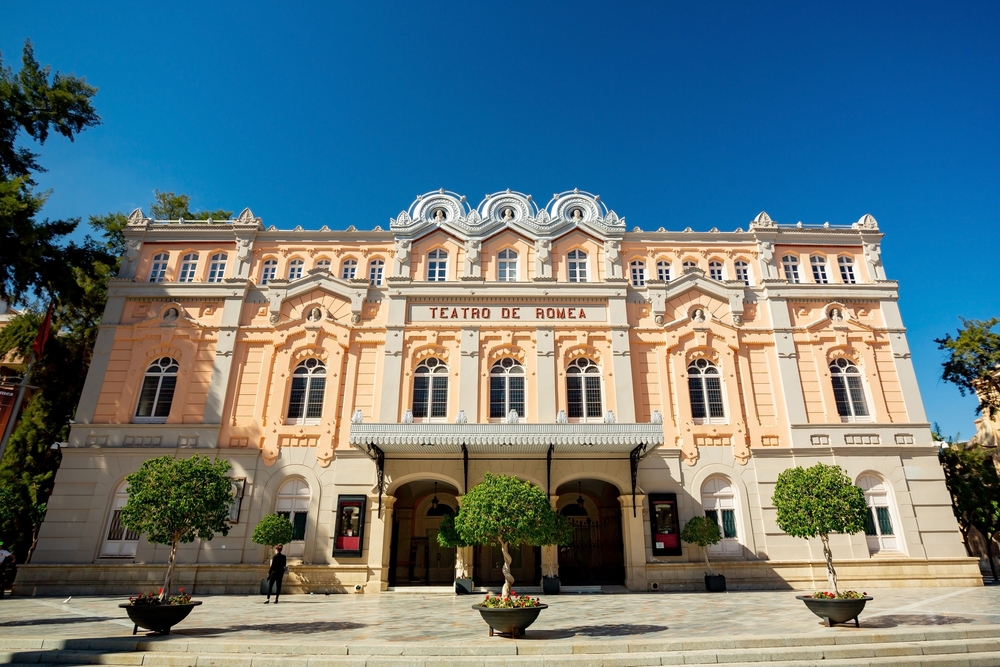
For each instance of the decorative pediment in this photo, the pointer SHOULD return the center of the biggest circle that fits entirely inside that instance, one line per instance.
(280, 291)
(662, 292)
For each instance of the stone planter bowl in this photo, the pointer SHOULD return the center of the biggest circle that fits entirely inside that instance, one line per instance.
(157, 617)
(509, 621)
(835, 611)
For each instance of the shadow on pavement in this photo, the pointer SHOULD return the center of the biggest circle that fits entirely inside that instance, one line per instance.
(612, 630)
(896, 620)
(56, 621)
(278, 628)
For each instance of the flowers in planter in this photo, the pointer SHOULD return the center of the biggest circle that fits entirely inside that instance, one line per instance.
(841, 595)
(512, 601)
(152, 599)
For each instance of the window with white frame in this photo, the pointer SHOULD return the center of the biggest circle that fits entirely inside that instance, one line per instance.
(576, 265)
(846, 265)
(663, 271)
(715, 270)
(638, 268)
(719, 502)
(348, 269)
(742, 271)
(705, 389)
(120, 541)
(268, 271)
(849, 391)
(295, 268)
(818, 264)
(217, 267)
(507, 266)
(688, 264)
(879, 532)
(437, 266)
(293, 504)
(189, 265)
(157, 393)
(790, 264)
(506, 389)
(430, 390)
(158, 270)
(305, 403)
(323, 264)
(583, 391)
(376, 269)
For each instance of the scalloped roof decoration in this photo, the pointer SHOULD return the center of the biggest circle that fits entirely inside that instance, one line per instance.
(867, 221)
(763, 220)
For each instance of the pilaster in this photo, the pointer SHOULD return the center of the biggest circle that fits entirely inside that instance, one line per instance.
(904, 363)
(545, 360)
(621, 361)
(379, 543)
(100, 359)
(223, 362)
(634, 538)
(788, 368)
(468, 372)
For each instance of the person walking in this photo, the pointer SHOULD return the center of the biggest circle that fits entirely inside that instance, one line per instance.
(6, 563)
(274, 574)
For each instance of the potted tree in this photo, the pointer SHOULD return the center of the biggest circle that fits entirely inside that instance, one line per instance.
(505, 511)
(814, 502)
(272, 530)
(704, 532)
(173, 501)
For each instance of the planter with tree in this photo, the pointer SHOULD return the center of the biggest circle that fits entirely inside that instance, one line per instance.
(173, 501)
(815, 502)
(505, 511)
(272, 530)
(704, 532)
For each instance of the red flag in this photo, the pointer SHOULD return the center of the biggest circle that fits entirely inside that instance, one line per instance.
(43, 334)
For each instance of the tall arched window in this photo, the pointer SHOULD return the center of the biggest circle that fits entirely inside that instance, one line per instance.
(848, 391)
(159, 267)
(719, 501)
(576, 265)
(430, 390)
(295, 268)
(217, 267)
(376, 268)
(846, 265)
(583, 390)
(120, 541)
(189, 264)
(293, 504)
(157, 392)
(507, 266)
(879, 532)
(349, 269)
(742, 271)
(268, 271)
(818, 264)
(305, 404)
(323, 264)
(506, 389)
(638, 268)
(790, 264)
(705, 388)
(715, 270)
(663, 270)
(437, 266)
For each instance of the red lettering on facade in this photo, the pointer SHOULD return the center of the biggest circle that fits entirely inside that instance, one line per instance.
(539, 313)
(454, 313)
(582, 315)
(514, 313)
(550, 313)
(475, 313)
(571, 314)
(561, 313)
(465, 313)
(505, 313)
(433, 313)
(443, 315)
(486, 313)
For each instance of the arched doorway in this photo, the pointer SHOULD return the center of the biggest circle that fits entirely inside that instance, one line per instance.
(597, 553)
(415, 557)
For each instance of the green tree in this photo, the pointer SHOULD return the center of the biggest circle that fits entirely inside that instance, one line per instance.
(173, 501)
(817, 501)
(506, 511)
(704, 532)
(974, 486)
(170, 206)
(272, 530)
(974, 361)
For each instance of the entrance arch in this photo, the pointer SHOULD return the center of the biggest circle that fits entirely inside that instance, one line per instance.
(597, 553)
(415, 557)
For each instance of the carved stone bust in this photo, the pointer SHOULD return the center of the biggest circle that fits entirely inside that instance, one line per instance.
(315, 315)
(698, 315)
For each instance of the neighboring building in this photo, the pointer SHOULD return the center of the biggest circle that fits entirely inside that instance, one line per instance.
(361, 381)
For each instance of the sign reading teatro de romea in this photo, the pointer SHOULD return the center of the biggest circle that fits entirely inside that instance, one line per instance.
(500, 312)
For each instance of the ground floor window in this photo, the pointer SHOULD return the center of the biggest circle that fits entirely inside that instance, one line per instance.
(879, 531)
(120, 541)
(719, 501)
(293, 504)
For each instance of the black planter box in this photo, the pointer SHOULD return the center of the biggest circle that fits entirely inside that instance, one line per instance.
(836, 611)
(509, 621)
(157, 617)
(715, 583)
(550, 585)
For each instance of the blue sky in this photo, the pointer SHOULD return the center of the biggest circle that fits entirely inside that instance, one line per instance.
(693, 114)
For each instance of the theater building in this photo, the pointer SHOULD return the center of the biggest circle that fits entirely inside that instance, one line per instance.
(361, 380)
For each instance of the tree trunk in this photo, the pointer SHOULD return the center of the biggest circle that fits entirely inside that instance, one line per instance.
(704, 550)
(989, 554)
(831, 574)
(165, 593)
(507, 576)
(34, 543)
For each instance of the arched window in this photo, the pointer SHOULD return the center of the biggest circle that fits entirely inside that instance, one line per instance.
(295, 268)
(120, 541)
(742, 271)
(705, 387)
(689, 264)
(879, 532)
(376, 268)
(577, 266)
(349, 269)
(305, 404)
(583, 390)
(506, 389)
(638, 268)
(157, 392)
(848, 391)
(437, 266)
(507, 266)
(663, 270)
(790, 263)
(818, 264)
(189, 264)
(715, 270)
(159, 267)
(323, 264)
(430, 390)
(719, 501)
(846, 265)
(217, 267)
(293, 504)
(268, 271)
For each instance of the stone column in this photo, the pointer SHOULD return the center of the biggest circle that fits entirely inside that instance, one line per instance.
(379, 544)
(550, 552)
(634, 537)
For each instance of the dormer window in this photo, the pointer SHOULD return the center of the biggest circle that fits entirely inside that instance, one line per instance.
(437, 266)
(576, 265)
(507, 266)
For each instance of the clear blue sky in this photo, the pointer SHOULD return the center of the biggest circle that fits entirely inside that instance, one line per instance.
(698, 114)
